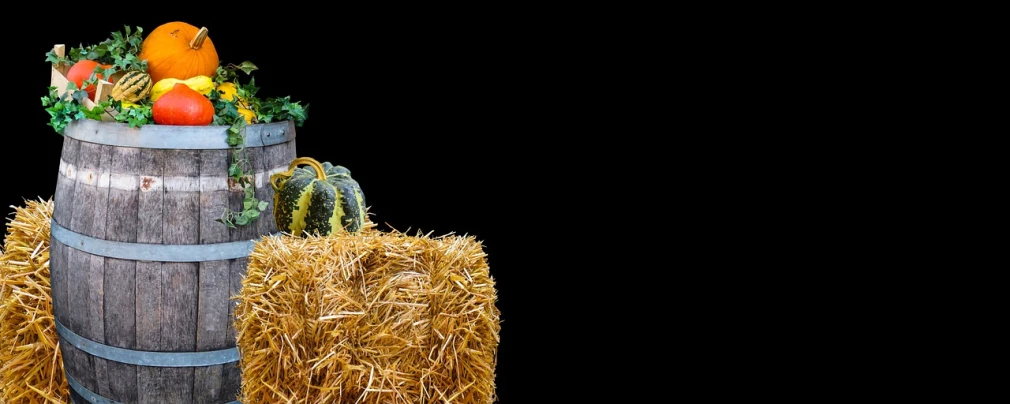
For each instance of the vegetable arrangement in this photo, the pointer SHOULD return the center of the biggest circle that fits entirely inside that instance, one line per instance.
(170, 77)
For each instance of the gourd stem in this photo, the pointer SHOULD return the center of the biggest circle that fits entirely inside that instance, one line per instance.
(320, 173)
(291, 169)
(197, 41)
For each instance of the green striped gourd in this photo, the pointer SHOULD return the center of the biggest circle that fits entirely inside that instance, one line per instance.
(319, 199)
(132, 87)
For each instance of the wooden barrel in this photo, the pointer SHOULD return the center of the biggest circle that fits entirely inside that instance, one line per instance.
(142, 273)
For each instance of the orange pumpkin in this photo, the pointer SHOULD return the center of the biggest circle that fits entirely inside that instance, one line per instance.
(179, 50)
(81, 71)
(182, 106)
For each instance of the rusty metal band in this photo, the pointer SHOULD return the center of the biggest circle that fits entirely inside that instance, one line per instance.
(151, 252)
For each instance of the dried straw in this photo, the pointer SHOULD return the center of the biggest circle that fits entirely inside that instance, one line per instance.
(31, 369)
(370, 318)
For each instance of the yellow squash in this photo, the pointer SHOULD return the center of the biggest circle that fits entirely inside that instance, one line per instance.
(229, 91)
(200, 84)
(248, 114)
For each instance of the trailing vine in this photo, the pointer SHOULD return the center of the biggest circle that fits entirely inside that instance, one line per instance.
(227, 113)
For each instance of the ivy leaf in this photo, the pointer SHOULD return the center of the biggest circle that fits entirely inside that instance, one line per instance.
(235, 138)
(134, 116)
(109, 72)
(230, 110)
(242, 220)
(77, 54)
(94, 113)
(247, 67)
(79, 95)
(247, 91)
(263, 205)
(52, 58)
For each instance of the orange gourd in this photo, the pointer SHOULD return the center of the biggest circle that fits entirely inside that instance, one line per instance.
(179, 50)
(182, 106)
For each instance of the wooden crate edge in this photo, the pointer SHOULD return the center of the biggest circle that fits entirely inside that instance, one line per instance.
(59, 80)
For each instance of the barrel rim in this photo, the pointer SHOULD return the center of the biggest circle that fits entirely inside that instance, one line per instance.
(153, 136)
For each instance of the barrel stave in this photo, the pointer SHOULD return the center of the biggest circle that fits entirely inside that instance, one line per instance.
(180, 282)
(121, 274)
(79, 275)
(212, 307)
(150, 229)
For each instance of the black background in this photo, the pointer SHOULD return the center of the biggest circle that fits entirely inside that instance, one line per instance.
(429, 110)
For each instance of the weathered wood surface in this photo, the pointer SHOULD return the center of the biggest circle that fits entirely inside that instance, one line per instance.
(212, 285)
(150, 229)
(180, 282)
(121, 275)
(157, 196)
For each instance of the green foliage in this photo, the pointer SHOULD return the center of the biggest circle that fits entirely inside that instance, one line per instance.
(120, 51)
(136, 115)
(272, 109)
(226, 113)
(66, 108)
(281, 109)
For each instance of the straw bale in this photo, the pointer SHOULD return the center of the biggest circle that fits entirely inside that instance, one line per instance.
(31, 369)
(377, 317)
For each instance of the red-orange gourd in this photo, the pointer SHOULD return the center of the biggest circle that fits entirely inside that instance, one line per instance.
(182, 106)
(81, 71)
(179, 50)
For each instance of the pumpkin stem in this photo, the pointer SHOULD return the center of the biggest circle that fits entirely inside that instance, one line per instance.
(197, 42)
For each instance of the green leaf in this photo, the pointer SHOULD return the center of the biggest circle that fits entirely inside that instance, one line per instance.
(263, 205)
(94, 113)
(248, 90)
(226, 222)
(241, 220)
(247, 204)
(80, 95)
(247, 67)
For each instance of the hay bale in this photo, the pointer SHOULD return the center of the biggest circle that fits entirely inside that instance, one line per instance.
(31, 369)
(370, 318)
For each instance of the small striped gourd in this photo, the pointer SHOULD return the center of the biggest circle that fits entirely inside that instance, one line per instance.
(132, 87)
(320, 199)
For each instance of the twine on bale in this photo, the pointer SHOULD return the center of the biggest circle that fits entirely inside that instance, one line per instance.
(369, 318)
(31, 369)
